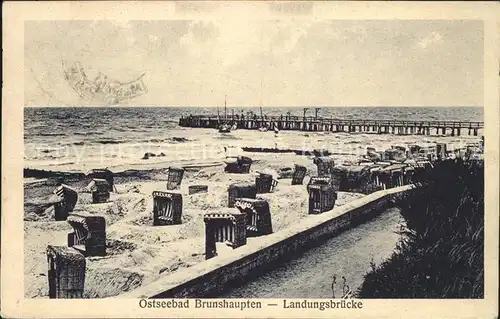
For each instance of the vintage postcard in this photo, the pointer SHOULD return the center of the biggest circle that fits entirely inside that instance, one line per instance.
(250, 159)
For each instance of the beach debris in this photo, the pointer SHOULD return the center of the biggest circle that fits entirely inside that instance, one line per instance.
(175, 175)
(195, 189)
(322, 195)
(147, 155)
(226, 227)
(265, 183)
(66, 272)
(298, 174)
(241, 165)
(167, 208)
(325, 165)
(89, 234)
(240, 190)
(99, 189)
(258, 216)
(266, 150)
(133, 189)
(67, 198)
(204, 174)
(103, 174)
(179, 139)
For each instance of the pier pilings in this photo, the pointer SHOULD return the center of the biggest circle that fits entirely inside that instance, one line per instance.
(317, 124)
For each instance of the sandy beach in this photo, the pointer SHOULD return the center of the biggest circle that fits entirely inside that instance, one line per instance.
(137, 252)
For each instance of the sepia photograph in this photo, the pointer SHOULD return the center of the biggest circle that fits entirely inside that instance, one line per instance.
(216, 161)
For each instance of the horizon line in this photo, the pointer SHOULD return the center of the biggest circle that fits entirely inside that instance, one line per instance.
(255, 106)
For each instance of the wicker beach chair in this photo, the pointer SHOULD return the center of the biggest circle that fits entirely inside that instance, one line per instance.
(299, 174)
(103, 174)
(89, 234)
(339, 178)
(392, 175)
(322, 195)
(100, 190)
(357, 178)
(167, 208)
(325, 165)
(68, 198)
(240, 190)
(241, 165)
(175, 175)
(258, 216)
(372, 154)
(195, 189)
(265, 183)
(225, 227)
(66, 272)
(395, 154)
(408, 175)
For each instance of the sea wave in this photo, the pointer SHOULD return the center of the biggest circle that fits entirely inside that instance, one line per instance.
(48, 157)
(110, 141)
(89, 133)
(51, 134)
(77, 143)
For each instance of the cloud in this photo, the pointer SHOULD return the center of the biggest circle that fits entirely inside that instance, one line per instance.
(288, 62)
(432, 38)
(232, 41)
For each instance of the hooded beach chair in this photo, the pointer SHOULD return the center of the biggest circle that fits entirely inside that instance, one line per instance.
(89, 234)
(167, 208)
(67, 201)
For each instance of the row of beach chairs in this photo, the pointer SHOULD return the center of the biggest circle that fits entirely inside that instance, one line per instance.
(246, 214)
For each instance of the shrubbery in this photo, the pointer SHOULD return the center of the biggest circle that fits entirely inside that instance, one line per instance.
(441, 254)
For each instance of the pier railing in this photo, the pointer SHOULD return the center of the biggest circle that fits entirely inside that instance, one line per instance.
(311, 123)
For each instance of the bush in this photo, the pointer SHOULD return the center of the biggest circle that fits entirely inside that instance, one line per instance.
(441, 253)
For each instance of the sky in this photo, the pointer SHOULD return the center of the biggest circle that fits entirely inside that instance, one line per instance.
(288, 62)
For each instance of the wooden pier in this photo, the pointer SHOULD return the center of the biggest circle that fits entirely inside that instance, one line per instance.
(316, 124)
